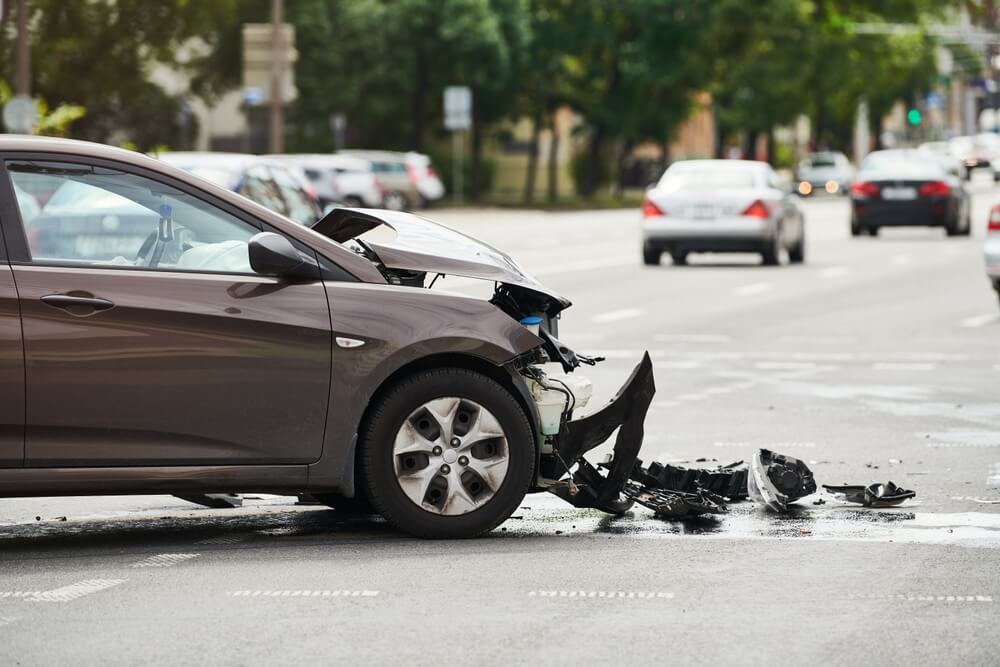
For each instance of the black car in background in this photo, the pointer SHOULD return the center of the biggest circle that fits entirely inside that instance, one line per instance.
(898, 188)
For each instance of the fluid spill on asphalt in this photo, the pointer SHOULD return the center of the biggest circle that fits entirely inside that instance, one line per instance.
(541, 516)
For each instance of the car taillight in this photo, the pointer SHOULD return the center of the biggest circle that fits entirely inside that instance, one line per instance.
(994, 223)
(935, 189)
(650, 210)
(379, 187)
(430, 172)
(864, 189)
(758, 209)
(412, 172)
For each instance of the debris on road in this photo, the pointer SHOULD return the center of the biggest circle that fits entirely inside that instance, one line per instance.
(214, 500)
(874, 495)
(675, 504)
(777, 480)
(729, 481)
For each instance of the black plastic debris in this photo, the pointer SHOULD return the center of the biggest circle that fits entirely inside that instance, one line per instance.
(675, 504)
(729, 481)
(873, 495)
(214, 500)
(777, 480)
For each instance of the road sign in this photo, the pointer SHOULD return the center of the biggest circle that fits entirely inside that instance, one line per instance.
(258, 57)
(20, 114)
(457, 108)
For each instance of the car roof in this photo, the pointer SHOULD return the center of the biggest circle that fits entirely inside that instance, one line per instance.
(720, 164)
(380, 156)
(327, 160)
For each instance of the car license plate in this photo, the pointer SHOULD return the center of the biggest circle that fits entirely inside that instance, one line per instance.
(702, 212)
(899, 194)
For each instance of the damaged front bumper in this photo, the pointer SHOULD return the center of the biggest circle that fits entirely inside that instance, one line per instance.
(588, 486)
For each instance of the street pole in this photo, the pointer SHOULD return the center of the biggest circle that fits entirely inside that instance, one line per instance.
(456, 176)
(23, 50)
(277, 134)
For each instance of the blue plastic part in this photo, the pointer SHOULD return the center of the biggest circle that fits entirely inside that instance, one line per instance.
(531, 319)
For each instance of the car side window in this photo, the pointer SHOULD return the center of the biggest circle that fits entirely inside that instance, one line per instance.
(76, 214)
(301, 209)
(258, 186)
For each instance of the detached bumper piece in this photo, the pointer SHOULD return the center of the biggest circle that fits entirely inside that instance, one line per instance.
(874, 495)
(729, 481)
(668, 504)
(777, 480)
(589, 487)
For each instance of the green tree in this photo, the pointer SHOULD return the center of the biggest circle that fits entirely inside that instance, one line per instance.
(97, 55)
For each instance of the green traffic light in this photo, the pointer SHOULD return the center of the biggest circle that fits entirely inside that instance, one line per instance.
(913, 116)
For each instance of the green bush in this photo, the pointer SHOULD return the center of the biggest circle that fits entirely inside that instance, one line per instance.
(444, 166)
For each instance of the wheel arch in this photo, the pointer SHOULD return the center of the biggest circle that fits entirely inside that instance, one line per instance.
(504, 375)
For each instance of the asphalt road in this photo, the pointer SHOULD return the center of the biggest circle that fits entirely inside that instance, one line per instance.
(877, 360)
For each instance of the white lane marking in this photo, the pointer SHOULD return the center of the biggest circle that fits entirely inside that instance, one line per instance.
(899, 366)
(224, 539)
(825, 340)
(833, 272)
(625, 595)
(979, 320)
(164, 560)
(752, 288)
(692, 338)
(994, 476)
(585, 265)
(962, 445)
(676, 364)
(901, 259)
(18, 594)
(784, 365)
(75, 591)
(303, 594)
(915, 597)
(616, 315)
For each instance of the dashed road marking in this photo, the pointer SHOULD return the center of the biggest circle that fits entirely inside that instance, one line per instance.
(616, 315)
(979, 320)
(784, 365)
(303, 594)
(692, 338)
(164, 560)
(825, 340)
(903, 366)
(224, 539)
(914, 597)
(833, 272)
(752, 288)
(962, 445)
(621, 595)
(75, 591)
(18, 594)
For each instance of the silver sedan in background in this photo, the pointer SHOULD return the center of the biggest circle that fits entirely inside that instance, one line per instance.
(993, 248)
(721, 206)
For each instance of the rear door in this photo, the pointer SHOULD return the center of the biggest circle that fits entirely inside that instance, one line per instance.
(11, 366)
(148, 338)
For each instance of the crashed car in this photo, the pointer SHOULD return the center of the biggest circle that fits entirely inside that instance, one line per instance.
(165, 335)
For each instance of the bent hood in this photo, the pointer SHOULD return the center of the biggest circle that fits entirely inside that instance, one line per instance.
(423, 245)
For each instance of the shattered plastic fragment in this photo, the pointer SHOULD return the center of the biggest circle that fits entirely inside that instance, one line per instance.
(874, 495)
(777, 480)
(729, 480)
(675, 504)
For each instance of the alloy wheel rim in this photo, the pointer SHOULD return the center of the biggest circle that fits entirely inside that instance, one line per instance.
(450, 456)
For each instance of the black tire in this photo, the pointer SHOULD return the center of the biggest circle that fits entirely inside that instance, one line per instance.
(872, 230)
(395, 201)
(651, 255)
(771, 253)
(352, 201)
(377, 466)
(679, 257)
(797, 253)
(856, 228)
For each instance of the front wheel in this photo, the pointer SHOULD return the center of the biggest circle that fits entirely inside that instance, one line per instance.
(447, 453)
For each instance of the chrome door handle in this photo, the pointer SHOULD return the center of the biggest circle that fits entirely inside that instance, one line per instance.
(69, 301)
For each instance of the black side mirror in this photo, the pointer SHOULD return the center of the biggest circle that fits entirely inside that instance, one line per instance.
(273, 255)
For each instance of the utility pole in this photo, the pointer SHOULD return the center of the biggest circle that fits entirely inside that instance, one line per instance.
(23, 51)
(277, 134)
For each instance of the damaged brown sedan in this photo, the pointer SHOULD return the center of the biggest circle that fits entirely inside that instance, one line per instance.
(159, 334)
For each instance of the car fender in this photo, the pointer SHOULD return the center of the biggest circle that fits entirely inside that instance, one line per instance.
(379, 329)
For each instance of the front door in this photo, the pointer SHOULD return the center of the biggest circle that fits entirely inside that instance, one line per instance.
(148, 338)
